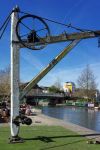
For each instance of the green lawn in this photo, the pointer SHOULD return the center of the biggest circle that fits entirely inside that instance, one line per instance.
(45, 138)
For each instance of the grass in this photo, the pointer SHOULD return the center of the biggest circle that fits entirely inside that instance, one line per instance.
(45, 138)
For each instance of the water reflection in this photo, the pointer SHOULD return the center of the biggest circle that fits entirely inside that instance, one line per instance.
(81, 116)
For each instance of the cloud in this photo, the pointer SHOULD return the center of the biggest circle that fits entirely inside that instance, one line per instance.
(69, 74)
(64, 74)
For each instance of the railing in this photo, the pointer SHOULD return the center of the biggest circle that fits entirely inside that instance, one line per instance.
(48, 95)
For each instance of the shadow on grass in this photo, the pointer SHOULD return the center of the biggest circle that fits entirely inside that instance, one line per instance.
(50, 139)
(70, 143)
(41, 138)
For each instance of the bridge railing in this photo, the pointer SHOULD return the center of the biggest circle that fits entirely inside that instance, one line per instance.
(48, 94)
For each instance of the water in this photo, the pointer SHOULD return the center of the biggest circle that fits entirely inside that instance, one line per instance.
(81, 116)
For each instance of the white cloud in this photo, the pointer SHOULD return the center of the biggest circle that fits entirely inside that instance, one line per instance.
(69, 74)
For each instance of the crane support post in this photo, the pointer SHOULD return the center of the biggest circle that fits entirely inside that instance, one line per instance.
(36, 79)
(14, 75)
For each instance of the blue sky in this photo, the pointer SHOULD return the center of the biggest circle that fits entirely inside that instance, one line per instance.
(81, 13)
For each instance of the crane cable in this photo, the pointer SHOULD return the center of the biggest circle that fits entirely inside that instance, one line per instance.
(56, 22)
(4, 28)
(5, 24)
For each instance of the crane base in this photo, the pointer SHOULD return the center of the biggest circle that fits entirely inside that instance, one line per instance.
(16, 139)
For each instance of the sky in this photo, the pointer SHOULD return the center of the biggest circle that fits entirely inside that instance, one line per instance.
(80, 13)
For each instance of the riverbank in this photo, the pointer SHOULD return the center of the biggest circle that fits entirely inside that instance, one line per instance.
(44, 138)
(41, 119)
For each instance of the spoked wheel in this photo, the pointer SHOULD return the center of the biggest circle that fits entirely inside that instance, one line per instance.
(30, 29)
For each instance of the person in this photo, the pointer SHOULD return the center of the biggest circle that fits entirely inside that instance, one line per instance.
(22, 109)
(28, 110)
(5, 112)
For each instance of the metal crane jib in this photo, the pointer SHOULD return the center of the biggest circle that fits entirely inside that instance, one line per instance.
(35, 33)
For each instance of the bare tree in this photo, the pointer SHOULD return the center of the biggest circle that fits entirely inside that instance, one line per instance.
(5, 81)
(56, 87)
(58, 84)
(87, 83)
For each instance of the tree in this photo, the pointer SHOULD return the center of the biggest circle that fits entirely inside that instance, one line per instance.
(54, 89)
(87, 83)
(5, 81)
(58, 84)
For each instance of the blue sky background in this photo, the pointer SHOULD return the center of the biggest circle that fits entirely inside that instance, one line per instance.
(81, 13)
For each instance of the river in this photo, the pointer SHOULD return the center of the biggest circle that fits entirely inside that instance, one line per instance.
(81, 116)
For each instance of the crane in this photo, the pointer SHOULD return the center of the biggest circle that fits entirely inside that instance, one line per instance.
(22, 36)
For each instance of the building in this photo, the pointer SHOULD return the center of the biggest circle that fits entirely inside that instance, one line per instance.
(45, 89)
(69, 88)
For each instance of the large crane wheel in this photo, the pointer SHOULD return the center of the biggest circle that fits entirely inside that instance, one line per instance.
(30, 29)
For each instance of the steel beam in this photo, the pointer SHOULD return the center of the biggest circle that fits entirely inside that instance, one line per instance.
(35, 80)
(61, 38)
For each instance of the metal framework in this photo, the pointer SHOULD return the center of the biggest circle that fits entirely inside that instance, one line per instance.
(75, 38)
